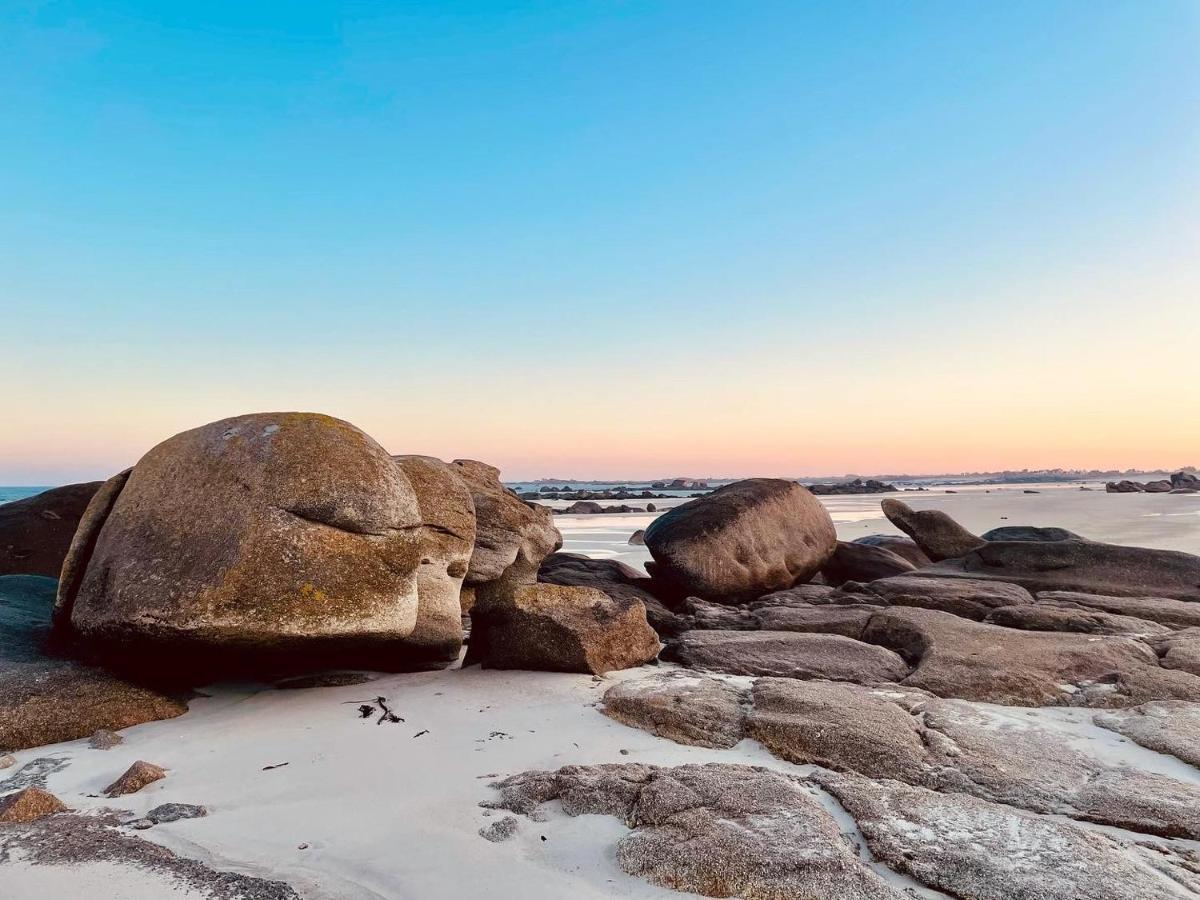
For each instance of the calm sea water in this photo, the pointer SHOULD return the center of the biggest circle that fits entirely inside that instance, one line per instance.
(20, 492)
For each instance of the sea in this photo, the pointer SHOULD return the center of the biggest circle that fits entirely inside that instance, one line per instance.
(20, 492)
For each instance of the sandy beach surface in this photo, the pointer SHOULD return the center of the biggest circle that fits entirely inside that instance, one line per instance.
(300, 788)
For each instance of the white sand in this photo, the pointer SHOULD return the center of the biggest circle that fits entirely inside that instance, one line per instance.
(387, 814)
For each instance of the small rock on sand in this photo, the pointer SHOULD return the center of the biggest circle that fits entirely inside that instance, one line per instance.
(136, 777)
(104, 739)
(29, 804)
(500, 831)
(7, 761)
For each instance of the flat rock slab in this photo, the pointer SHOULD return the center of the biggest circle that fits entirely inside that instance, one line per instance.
(955, 657)
(1087, 566)
(974, 849)
(716, 830)
(681, 706)
(788, 654)
(1164, 610)
(970, 598)
(1045, 617)
(1168, 726)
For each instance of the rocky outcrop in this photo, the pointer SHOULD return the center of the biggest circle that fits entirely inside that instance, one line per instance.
(682, 707)
(613, 577)
(714, 830)
(1084, 566)
(35, 533)
(512, 536)
(261, 542)
(1048, 617)
(45, 699)
(935, 532)
(1187, 481)
(972, 848)
(560, 629)
(787, 654)
(1124, 487)
(1166, 726)
(862, 562)
(446, 542)
(855, 486)
(742, 540)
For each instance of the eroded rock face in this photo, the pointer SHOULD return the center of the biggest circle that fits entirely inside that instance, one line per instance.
(262, 541)
(446, 541)
(972, 848)
(1086, 566)
(862, 562)
(682, 707)
(45, 699)
(553, 628)
(512, 536)
(955, 657)
(613, 577)
(1168, 726)
(715, 830)
(35, 533)
(742, 540)
(787, 654)
(935, 532)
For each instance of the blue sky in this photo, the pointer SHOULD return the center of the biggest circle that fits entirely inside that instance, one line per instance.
(609, 237)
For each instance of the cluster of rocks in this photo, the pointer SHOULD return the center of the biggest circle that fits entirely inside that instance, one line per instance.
(680, 484)
(592, 508)
(856, 486)
(1179, 483)
(618, 493)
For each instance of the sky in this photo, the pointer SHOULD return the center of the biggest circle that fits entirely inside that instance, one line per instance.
(606, 239)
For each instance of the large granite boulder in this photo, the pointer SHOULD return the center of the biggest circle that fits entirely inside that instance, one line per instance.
(549, 627)
(852, 561)
(1084, 566)
(742, 541)
(45, 699)
(263, 542)
(446, 543)
(512, 536)
(934, 531)
(613, 577)
(35, 533)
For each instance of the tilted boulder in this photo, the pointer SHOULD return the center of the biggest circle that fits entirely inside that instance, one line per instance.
(613, 577)
(741, 541)
(549, 627)
(446, 543)
(862, 562)
(35, 533)
(263, 542)
(512, 536)
(901, 545)
(935, 532)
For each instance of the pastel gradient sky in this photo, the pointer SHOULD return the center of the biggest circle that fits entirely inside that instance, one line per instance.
(615, 239)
